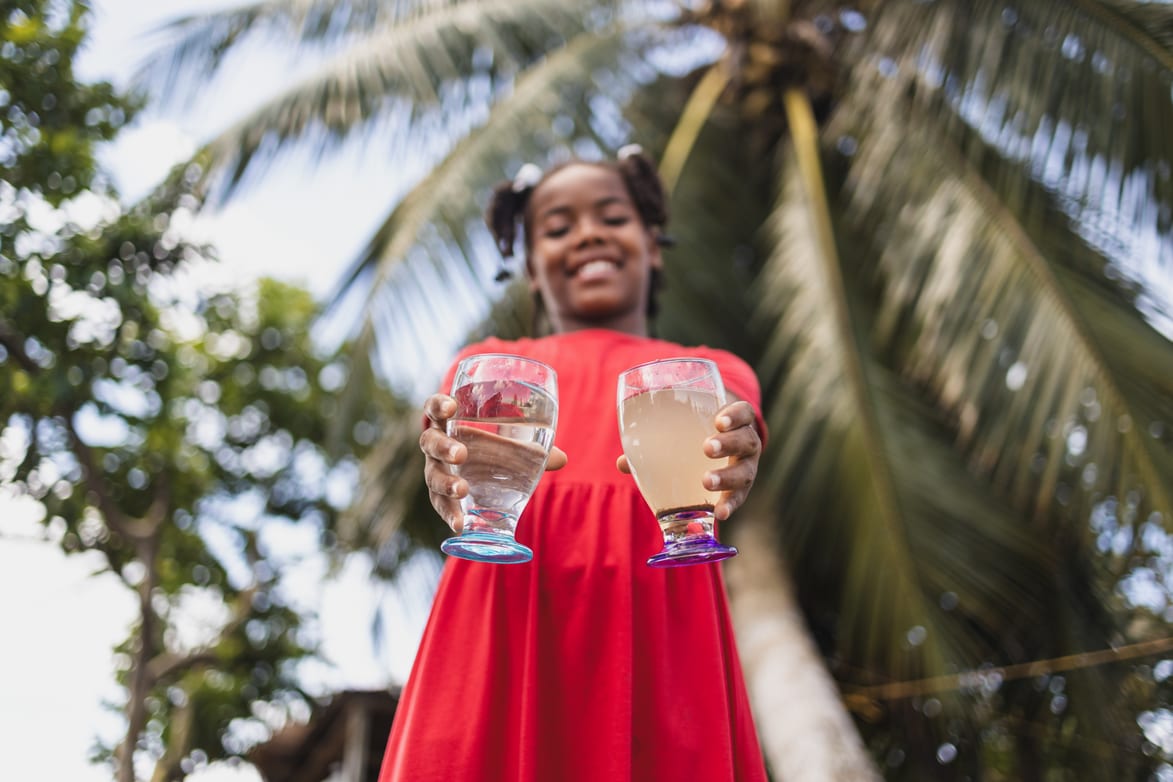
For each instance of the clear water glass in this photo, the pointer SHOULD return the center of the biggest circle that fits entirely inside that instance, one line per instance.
(506, 414)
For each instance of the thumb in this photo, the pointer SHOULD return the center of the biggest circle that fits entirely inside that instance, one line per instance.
(557, 459)
(622, 465)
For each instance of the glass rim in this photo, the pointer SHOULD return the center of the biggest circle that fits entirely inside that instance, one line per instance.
(674, 360)
(629, 379)
(511, 357)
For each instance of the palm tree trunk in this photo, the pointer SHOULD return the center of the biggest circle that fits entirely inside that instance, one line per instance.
(806, 732)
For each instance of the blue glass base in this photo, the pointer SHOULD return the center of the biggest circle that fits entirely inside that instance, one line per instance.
(487, 547)
(695, 550)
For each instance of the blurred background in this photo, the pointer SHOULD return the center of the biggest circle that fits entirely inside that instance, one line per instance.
(54, 681)
(239, 242)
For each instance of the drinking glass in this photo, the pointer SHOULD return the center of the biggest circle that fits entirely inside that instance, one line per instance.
(506, 412)
(666, 412)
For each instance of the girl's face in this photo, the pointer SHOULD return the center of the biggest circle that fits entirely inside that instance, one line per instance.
(590, 256)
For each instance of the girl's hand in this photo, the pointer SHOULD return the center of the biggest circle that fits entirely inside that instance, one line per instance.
(737, 437)
(442, 455)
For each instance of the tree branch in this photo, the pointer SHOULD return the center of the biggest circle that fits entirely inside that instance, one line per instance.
(170, 664)
(13, 343)
(140, 683)
(860, 696)
(90, 472)
(136, 529)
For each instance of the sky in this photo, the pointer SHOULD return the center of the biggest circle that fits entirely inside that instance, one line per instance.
(300, 225)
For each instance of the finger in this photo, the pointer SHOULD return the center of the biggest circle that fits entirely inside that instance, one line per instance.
(450, 511)
(729, 502)
(734, 415)
(742, 442)
(734, 483)
(442, 482)
(437, 445)
(557, 459)
(439, 408)
(738, 475)
(622, 465)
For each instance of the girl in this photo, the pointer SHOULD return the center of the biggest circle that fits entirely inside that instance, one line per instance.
(584, 664)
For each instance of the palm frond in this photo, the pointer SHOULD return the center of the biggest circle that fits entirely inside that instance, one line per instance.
(910, 541)
(434, 241)
(972, 309)
(1046, 100)
(197, 44)
(420, 82)
(392, 511)
(1139, 19)
(926, 558)
(1014, 346)
(723, 194)
(999, 259)
(968, 545)
(693, 118)
(827, 412)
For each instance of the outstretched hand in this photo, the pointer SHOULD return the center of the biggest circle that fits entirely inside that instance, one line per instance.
(443, 454)
(737, 438)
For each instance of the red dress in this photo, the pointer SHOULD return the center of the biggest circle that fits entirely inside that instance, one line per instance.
(585, 664)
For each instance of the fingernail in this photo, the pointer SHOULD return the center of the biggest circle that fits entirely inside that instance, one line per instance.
(724, 422)
(713, 480)
(714, 447)
(453, 451)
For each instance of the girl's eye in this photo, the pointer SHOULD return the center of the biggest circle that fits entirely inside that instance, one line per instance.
(556, 231)
(616, 219)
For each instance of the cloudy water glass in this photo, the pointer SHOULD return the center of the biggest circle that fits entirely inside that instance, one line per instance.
(506, 413)
(667, 410)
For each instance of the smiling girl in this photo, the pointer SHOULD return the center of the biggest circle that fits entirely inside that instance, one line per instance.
(585, 664)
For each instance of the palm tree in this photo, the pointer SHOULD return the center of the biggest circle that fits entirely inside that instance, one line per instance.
(951, 225)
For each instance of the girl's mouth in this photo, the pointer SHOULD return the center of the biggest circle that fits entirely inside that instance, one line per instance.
(594, 270)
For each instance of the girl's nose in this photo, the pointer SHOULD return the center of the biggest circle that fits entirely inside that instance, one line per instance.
(589, 230)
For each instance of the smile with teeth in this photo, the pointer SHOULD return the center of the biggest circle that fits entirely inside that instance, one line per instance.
(593, 269)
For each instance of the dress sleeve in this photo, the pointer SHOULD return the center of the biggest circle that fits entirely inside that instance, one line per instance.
(741, 382)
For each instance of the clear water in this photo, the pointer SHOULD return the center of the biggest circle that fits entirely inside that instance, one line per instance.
(508, 428)
(505, 461)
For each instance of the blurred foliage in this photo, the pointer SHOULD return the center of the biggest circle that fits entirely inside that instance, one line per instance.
(169, 427)
(50, 122)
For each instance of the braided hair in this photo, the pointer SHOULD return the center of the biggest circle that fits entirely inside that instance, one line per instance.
(507, 210)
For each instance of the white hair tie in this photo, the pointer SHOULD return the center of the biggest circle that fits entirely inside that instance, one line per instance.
(527, 176)
(628, 150)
